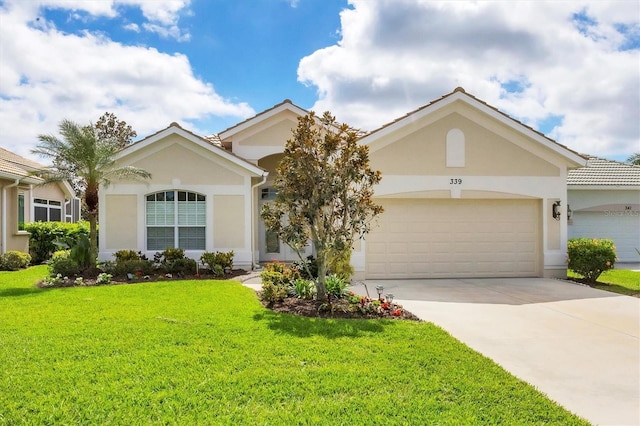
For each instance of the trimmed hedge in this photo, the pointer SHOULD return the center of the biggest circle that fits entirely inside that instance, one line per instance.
(45, 235)
(14, 260)
(590, 257)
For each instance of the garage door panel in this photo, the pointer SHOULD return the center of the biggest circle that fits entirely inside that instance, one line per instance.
(455, 238)
(623, 229)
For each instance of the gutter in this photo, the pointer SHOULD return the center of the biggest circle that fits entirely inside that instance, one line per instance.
(3, 249)
(253, 212)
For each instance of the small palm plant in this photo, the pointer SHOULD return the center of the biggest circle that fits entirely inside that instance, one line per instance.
(81, 156)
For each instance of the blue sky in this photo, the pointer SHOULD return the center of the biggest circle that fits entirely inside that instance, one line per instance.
(568, 69)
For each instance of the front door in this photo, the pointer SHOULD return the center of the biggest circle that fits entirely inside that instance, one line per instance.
(271, 247)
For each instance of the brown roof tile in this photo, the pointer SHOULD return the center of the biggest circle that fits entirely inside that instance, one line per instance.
(16, 165)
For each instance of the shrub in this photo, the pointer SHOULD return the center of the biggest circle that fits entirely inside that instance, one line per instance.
(304, 289)
(171, 254)
(121, 269)
(126, 255)
(14, 260)
(81, 251)
(184, 266)
(103, 279)
(336, 286)
(590, 257)
(340, 264)
(45, 235)
(308, 268)
(62, 263)
(52, 281)
(278, 281)
(217, 262)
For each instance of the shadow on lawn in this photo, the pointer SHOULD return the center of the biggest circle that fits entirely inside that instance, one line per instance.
(331, 328)
(19, 291)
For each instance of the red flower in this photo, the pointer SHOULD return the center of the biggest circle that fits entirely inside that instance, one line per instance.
(397, 312)
(385, 305)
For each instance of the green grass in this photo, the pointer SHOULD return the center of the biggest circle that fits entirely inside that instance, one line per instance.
(207, 352)
(621, 281)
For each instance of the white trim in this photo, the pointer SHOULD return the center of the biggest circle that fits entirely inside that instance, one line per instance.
(528, 186)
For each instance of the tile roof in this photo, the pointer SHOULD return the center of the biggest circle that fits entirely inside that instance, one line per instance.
(603, 172)
(15, 165)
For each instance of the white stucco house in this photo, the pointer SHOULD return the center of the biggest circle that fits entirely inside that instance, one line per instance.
(604, 199)
(467, 190)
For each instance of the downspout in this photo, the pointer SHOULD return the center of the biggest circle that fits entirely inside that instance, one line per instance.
(253, 212)
(4, 214)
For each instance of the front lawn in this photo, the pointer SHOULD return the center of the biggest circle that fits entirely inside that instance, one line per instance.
(621, 281)
(207, 352)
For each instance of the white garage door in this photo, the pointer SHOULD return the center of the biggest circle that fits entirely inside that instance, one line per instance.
(622, 227)
(427, 238)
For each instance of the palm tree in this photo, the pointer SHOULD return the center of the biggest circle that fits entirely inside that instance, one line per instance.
(81, 156)
(634, 159)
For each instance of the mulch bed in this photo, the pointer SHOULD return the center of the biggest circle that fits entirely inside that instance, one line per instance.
(339, 309)
(89, 279)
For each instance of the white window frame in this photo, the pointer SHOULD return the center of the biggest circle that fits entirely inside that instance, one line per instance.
(48, 205)
(178, 217)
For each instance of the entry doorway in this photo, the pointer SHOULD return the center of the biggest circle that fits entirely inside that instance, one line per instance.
(271, 247)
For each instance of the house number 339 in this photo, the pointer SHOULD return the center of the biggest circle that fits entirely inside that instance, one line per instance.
(455, 181)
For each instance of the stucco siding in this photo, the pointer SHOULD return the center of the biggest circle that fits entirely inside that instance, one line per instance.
(274, 132)
(49, 192)
(423, 152)
(228, 221)
(172, 160)
(121, 220)
(265, 138)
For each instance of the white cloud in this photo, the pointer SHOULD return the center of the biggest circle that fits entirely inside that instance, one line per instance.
(47, 75)
(533, 60)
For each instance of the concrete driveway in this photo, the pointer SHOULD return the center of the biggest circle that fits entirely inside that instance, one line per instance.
(577, 345)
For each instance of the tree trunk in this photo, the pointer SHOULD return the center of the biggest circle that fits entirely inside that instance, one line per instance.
(91, 198)
(321, 288)
(93, 239)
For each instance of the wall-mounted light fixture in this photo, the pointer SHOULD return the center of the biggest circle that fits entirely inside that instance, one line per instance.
(555, 210)
(569, 212)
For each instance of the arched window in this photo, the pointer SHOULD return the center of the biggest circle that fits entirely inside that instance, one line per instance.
(455, 148)
(176, 219)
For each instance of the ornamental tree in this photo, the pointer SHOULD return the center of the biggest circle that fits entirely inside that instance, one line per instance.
(109, 127)
(324, 191)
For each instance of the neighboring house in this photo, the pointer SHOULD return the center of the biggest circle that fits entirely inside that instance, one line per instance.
(467, 191)
(24, 200)
(604, 199)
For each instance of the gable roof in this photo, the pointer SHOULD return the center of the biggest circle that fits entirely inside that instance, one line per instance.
(459, 94)
(603, 172)
(285, 105)
(14, 166)
(206, 143)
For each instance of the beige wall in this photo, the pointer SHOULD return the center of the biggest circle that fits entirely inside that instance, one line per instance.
(228, 221)
(272, 133)
(49, 192)
(423, 152)
(121, 221)
(15, 240)
(270, 163)
(171, 159)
